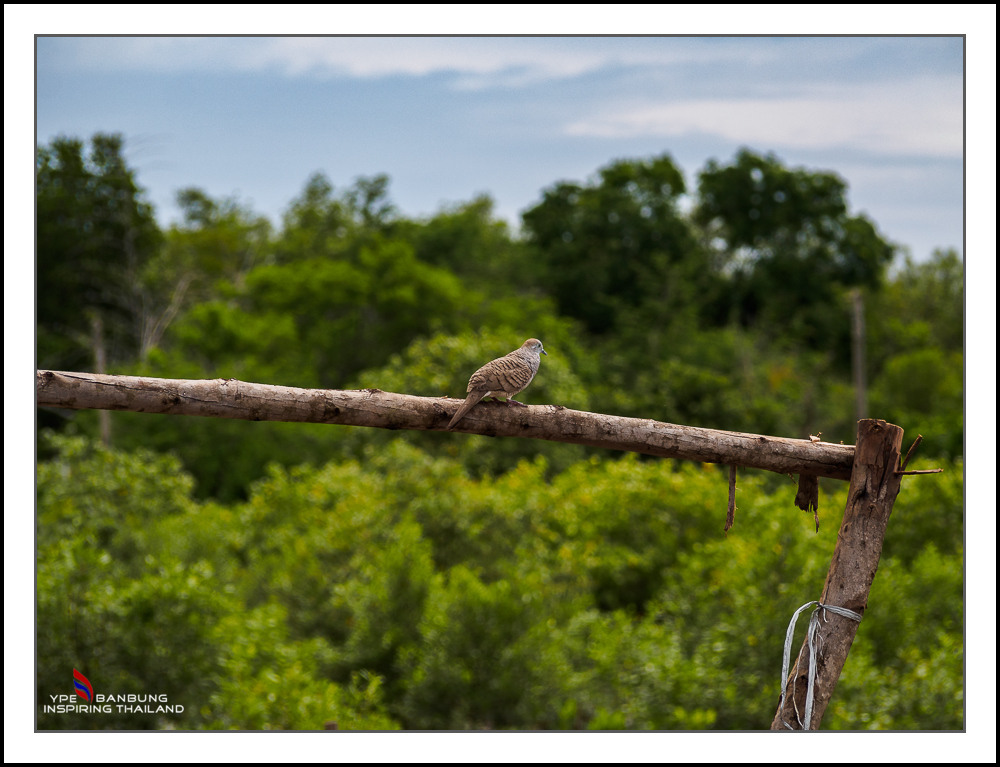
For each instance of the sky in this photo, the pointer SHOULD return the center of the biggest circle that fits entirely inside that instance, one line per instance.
(511, 117)
(448, 118)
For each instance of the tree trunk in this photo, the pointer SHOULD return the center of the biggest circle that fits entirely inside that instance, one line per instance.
(101, 363)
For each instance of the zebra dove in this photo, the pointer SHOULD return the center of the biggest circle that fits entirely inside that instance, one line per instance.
(503, 377)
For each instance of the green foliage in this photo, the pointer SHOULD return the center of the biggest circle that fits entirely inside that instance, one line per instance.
(283, 576)
(924, 391)
(921, 306)
(400, 591)
(218, 243)
(472, 667)
(317, 322)
(729, 379)
(917, 334)
(227, 456)
(467, 240)
(613, 529)
(139, 636)
(319, 224)
(108, 601)
(139, 587)
(905, 669)
(928, 512)
(351, 315)
(106, 498)
(269, 683)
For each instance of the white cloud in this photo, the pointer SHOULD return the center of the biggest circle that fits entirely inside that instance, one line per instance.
(379, 56)
(479, 61)
(922, 116)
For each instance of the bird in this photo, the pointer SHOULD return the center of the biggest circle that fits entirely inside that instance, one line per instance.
(503, 377)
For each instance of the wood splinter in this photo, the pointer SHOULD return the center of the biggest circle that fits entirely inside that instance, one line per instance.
(909, 454)
(731, 513)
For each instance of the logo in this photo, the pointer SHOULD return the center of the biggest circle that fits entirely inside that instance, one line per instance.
(83, 687)
(108, 703)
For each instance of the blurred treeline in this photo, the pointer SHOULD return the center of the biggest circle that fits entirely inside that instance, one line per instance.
(286, 575)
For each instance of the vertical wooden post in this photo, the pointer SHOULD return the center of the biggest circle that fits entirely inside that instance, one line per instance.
(874, 487)
(100, 365)
(858, 355)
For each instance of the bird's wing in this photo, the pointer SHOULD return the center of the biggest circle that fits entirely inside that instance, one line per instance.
(508, 374)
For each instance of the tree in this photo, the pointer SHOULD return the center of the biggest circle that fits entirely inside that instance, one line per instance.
(619, 244)
(95, 235)
(204, 258)
(467, 239)
(916, 334)
(321, 224)
(920, 307)
(791, 246)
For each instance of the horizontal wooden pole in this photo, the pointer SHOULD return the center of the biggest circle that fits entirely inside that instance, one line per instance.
(229, 398)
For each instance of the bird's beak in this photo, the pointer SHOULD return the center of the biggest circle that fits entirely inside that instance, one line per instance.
(545, 352)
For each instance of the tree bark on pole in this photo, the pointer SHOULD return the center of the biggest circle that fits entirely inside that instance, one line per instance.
(874, 486)
(229, 398)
